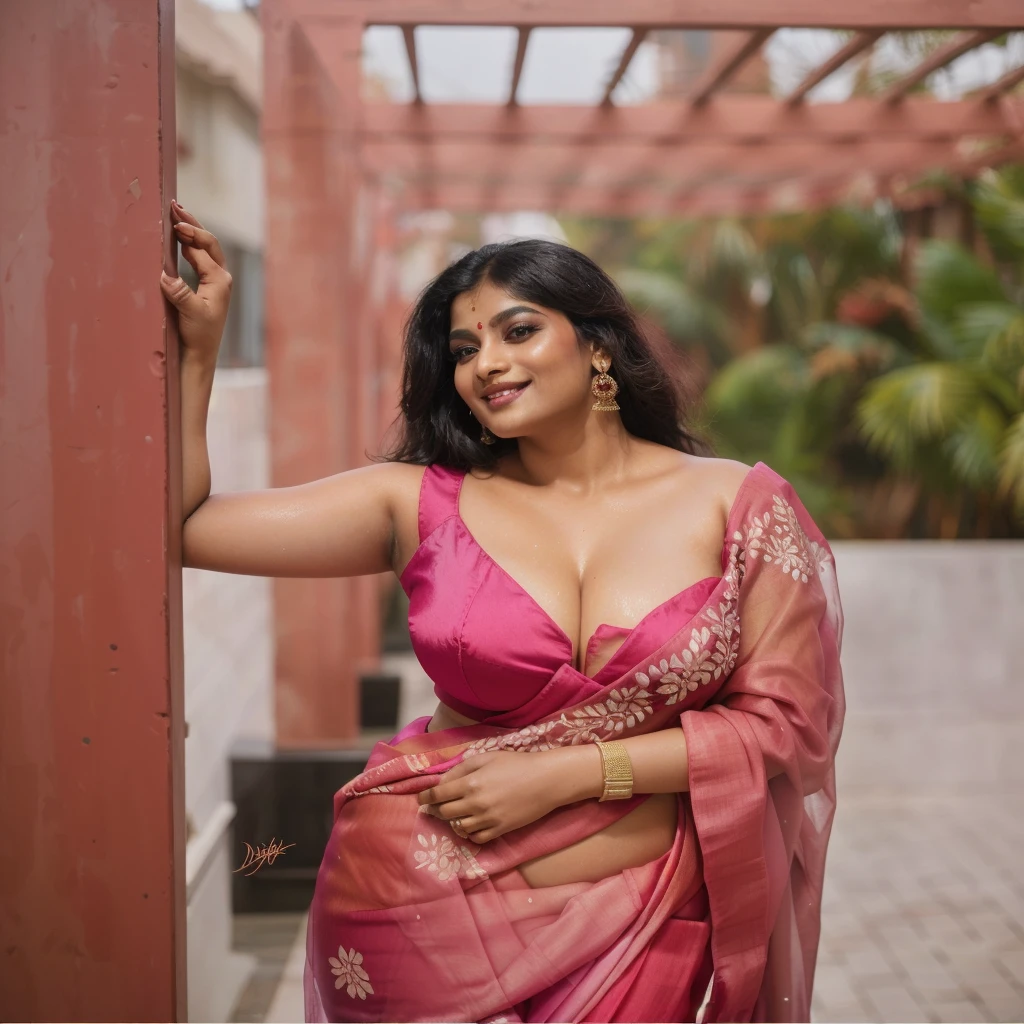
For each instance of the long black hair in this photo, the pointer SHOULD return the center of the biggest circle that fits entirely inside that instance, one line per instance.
(436, 424)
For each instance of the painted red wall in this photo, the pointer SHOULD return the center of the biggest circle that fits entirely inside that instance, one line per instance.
(92, 917)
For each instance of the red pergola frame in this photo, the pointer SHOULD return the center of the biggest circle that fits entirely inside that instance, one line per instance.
(339, 169)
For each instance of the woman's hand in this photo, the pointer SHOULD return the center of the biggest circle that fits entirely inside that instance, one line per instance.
(202, 313)
(494, 793)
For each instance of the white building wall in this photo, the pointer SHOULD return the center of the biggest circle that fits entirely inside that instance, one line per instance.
(228, 696)
(933, 659)
(220, 174)
(228, 618)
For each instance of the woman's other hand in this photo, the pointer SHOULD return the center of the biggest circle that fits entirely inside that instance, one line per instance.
(201, 313)
(496, 792)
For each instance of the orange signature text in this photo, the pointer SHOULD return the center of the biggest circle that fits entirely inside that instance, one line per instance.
(267, 855)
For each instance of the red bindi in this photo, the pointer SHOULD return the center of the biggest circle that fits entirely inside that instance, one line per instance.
(479, 326)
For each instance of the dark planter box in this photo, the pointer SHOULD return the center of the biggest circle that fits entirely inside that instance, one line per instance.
(378, 701)
(287, 796)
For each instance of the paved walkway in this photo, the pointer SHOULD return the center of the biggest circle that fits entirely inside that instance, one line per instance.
(924, 913)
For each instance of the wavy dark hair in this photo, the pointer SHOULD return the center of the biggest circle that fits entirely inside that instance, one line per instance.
(436, 424)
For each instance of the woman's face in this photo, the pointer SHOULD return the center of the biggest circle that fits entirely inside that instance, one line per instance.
(518, 365)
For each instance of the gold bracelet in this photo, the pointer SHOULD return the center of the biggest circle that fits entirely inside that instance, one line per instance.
(618, 771)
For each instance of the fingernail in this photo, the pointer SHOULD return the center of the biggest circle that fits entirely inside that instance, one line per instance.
(185, 228)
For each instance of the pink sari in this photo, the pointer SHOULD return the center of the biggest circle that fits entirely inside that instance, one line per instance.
(411, 923)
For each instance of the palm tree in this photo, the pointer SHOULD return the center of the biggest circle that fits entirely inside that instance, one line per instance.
(952, 417)
(895, 408)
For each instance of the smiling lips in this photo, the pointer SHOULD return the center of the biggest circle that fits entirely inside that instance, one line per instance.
(506, 395)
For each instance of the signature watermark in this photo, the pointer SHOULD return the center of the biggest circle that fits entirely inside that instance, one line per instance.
(261, 855)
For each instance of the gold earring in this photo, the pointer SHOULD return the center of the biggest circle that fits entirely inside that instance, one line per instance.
(487, 437)
(604, 388)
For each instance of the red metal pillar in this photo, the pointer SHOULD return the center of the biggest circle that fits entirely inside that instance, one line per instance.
(385, 328)
(363, 366)
(91, 706)
(309, 122)
(392, 310)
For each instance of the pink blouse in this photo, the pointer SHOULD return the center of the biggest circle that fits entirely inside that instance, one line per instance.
(488, 646)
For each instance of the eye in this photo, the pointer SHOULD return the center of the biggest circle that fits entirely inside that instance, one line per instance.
(521, 331)
(457, 354)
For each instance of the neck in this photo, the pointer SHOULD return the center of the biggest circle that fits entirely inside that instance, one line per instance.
(583, 458)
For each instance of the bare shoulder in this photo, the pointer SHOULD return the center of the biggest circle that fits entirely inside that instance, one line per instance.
(401, 479)
(719, 479)
(725, 478)
(393, 484)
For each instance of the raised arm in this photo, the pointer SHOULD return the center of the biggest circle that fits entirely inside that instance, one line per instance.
(342, 525)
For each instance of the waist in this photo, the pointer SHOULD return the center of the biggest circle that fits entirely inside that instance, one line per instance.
(639, 836)
(447, 718)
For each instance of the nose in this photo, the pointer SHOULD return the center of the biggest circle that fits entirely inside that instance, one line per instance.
(491, 359)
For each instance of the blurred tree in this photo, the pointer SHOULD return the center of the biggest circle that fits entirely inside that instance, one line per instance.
(953, 417)
(885, 380)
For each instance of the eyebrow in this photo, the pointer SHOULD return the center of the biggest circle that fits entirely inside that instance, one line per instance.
(461, 334)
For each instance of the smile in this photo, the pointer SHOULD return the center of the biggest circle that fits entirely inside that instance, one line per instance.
(510, 394)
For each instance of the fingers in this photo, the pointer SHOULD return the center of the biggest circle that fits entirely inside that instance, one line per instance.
(470, 827)
(453, 809)
(179, 213)
(205, 266)
(199, 238)
(177, 291)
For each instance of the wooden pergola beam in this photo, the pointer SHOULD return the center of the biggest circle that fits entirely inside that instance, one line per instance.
(616, 166)
(522, 41)
(708, 196)
(889, 15)
(963, 43)
(736, 118)
(706, 200)
(628, 54)
(857, 45)
(409, 35)
(1002, 85)
(729, 65)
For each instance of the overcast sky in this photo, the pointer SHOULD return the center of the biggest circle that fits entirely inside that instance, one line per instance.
(570, 65)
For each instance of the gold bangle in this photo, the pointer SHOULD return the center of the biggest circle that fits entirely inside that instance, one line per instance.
(618, 771)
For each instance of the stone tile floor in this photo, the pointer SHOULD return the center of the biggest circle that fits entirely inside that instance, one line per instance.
(276, 940)
(923, 919)
(923, 913)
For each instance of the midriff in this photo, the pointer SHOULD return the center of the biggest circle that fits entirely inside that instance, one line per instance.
(639, 836)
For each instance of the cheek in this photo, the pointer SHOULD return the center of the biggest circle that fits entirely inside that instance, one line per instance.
(567, 374)
(558, 360)
(463, 378)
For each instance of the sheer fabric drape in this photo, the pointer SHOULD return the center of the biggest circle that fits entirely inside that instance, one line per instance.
(409, 922)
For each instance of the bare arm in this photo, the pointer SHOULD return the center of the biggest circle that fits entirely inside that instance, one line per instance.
(201, 318)
(343, 525)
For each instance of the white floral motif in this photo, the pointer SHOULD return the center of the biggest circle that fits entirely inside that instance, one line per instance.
(701, 661)
(820, 554)
(417, 762)
(789, 547)
(531, 737)
(350, 973)
(622, 709)
(442, 857)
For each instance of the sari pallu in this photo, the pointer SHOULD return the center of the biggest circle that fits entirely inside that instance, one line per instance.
(410, 922)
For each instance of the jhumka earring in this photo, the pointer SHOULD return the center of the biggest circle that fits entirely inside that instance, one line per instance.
(486, 436)
(604, 388)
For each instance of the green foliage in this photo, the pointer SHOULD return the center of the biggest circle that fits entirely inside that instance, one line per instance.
(848, 372)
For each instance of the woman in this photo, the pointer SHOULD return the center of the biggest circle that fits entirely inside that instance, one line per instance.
(619, 810)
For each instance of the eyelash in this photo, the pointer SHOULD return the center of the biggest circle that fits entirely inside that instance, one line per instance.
(456, 354)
